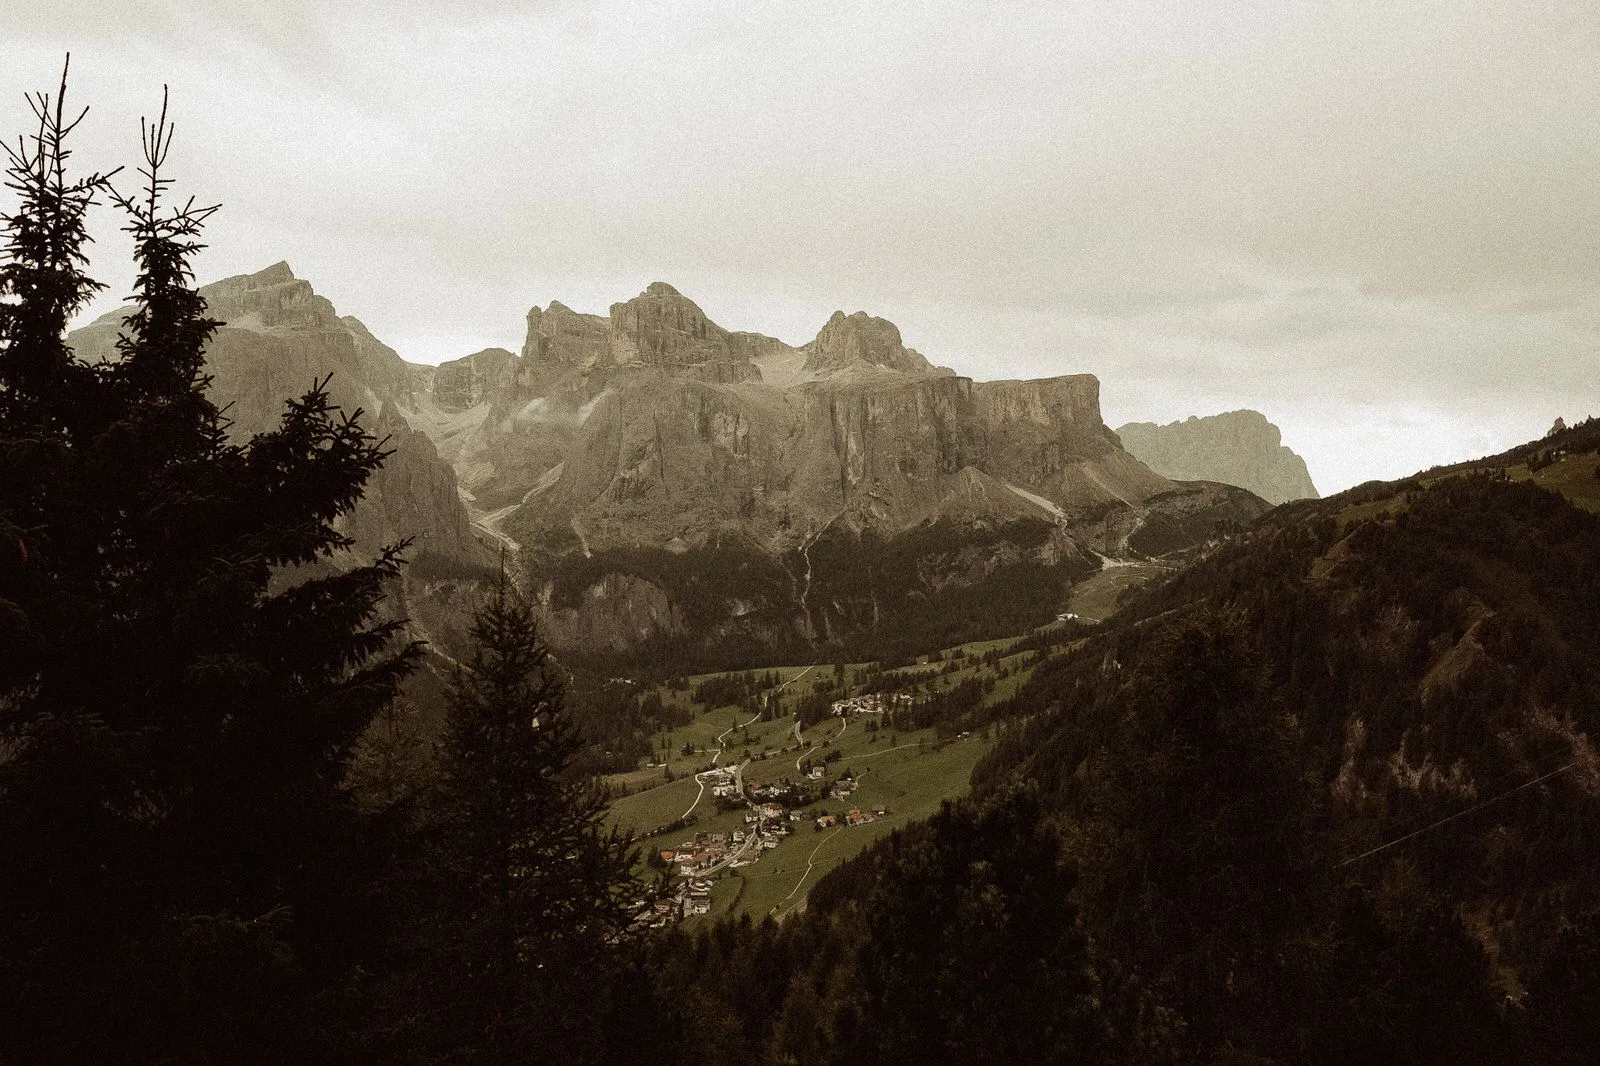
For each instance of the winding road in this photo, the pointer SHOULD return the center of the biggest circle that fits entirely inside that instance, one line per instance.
(806, 754)
(700, 778)
(722, 745)
(811, 862)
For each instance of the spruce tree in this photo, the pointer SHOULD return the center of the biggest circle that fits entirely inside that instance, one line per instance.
(541, 895)
(393, 762)
(189, 656)
(42, 285)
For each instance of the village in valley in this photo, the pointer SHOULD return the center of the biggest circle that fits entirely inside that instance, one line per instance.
(773, 779)
(767, 821)
(769, 779)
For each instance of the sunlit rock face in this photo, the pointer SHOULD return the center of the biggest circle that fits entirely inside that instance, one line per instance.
(629, 456)
(860, 339)
(1237, 448)
(665, 486)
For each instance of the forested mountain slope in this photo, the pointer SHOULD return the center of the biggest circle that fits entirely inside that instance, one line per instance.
(1329, 795)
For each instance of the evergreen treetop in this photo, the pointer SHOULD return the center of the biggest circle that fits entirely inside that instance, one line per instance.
(538, 904)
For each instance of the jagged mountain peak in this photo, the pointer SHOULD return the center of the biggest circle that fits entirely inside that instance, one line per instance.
(660, 327)
(663, 328)
(274, 274)
(669, 328)
(268, 300)
(860, 339)
(862, 318)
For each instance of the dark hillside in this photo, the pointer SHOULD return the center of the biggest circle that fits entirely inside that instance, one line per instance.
(1329, 795)
(1437, 666)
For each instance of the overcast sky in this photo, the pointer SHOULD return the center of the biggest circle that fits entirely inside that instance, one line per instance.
(1377, 223)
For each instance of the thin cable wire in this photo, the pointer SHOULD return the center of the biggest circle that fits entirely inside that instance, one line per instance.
(1481, 786)
(1459, 814)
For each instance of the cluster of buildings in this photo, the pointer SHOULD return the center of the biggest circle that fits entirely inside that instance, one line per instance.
(873, 703)
(770, 820)
(705, 852)
(693, 897)
(722, 779)
(766, 821)
(852, 817)
(769, 791)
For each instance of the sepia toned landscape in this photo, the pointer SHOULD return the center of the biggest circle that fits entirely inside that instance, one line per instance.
(790, 663)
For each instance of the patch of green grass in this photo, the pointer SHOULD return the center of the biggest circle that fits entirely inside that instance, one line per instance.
(912, 782)
(1006, 687)
(626, 784)
(1573, 477)
(703, 732)
(1095, 598)
(980, 648)
(1361, 512)
(654, 807)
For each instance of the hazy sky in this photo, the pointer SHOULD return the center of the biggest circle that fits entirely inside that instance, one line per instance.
(1378, 223)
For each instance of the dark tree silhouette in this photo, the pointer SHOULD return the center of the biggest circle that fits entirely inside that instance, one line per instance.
(538, 894)
(189, 655)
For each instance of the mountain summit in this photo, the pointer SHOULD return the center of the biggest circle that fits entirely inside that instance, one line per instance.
(669, 483)
(1237, 448)
(862, 340)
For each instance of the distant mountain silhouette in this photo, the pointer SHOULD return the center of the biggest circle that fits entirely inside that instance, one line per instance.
(1237, 448)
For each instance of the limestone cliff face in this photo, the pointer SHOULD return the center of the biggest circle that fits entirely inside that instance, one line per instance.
(639, 462)
(860, 339)
(463, 383)
(656, 459)
(1237, 448)
(559, 336)
(617, 612)
(662, 327)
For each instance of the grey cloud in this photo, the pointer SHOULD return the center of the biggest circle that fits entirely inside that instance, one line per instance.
(1374, 222)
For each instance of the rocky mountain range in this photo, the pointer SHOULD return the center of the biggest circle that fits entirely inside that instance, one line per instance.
(674, 491)
(1237, 448)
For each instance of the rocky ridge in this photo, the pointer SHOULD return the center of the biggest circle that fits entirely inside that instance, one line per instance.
(1237, 448)
(277, 338)
(673, 491)
(623, 455)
